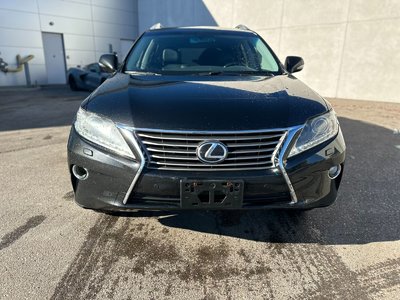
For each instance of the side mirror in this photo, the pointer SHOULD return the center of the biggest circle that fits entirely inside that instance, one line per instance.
(294, 64)
(109, 62)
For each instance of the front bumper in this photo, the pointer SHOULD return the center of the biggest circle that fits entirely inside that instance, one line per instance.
(109, 184)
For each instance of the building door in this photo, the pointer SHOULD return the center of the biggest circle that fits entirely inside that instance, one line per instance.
(55, 58)
(125, 47)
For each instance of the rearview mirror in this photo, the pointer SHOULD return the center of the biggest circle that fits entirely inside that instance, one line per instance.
(109, 62)
(294, 64)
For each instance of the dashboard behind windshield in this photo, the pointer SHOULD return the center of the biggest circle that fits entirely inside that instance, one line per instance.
(201, 53)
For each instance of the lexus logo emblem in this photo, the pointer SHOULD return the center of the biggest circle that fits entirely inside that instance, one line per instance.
(212, 152)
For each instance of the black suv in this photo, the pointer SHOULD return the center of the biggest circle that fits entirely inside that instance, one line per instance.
(204, 118)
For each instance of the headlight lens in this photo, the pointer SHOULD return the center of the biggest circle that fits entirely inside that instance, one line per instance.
(316, 131)
(101, 131)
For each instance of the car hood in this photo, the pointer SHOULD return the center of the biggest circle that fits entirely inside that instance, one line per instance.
(206, 102)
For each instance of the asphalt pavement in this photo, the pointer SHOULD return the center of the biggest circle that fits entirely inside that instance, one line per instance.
(50, 248)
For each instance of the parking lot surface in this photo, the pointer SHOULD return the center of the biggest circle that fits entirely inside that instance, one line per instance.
(52, 249)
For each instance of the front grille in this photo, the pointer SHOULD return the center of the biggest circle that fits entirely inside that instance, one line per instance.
(247, 150)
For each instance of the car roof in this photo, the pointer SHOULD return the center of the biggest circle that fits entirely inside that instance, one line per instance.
(201, 29)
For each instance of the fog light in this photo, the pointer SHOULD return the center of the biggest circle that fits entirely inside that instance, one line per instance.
(334, 171)
(80, 172)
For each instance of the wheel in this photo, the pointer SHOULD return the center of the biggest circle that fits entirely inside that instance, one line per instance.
(72, 84)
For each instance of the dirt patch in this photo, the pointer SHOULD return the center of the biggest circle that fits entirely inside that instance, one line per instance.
(148, 253)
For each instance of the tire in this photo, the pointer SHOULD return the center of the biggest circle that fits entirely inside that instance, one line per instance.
(72, 84)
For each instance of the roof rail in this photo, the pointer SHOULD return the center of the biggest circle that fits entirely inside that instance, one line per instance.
(242, 27)
(156, 26)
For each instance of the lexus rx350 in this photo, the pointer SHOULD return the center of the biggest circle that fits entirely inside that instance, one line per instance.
(204, 118)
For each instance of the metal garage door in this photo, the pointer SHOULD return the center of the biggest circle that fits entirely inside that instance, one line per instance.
(54, 57)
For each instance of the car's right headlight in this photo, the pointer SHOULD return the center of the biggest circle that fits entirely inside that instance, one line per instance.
(101, 131)
(316, 131)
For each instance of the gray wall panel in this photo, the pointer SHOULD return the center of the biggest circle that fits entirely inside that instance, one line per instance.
(223, 18)
(314, 12)
(64, 9)
(114, 30)
(20, 5)
(79, 42)
(124, 5)
(19, 20)
(374, 9)
(113, 16)
(258, 14)
(66, 25)
(371, 61)
(20, 38)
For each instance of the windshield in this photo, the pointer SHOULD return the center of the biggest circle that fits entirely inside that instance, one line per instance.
(201, 53)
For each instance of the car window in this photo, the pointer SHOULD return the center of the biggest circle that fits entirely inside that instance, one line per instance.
(267, 61)
(201, 52)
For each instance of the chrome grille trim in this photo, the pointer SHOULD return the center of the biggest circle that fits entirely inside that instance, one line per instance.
(153, 149)
(174, 157)
(216, 166)
(254, 144)
(247, 150)
(160, 144)
(226, 138)
(195, 159)
(250, 151)
(168, 144)
(284, 150)
(219, 169)
(249, 157)
(170, 151)
(199, 132)
(126, 132)
(279, 155)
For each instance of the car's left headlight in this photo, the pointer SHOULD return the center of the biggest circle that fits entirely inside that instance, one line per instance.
(316, 131)
(101, 131)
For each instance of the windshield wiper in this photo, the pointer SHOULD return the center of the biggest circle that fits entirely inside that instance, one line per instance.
(227, 73)
(216, 73)
(142, 73)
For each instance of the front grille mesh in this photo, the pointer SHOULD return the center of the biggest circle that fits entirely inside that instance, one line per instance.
(249, 150)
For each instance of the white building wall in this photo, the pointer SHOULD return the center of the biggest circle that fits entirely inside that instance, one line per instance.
(88, 27)
(350, 47)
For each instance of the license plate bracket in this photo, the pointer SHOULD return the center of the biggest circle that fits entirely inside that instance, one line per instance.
(209, 194)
